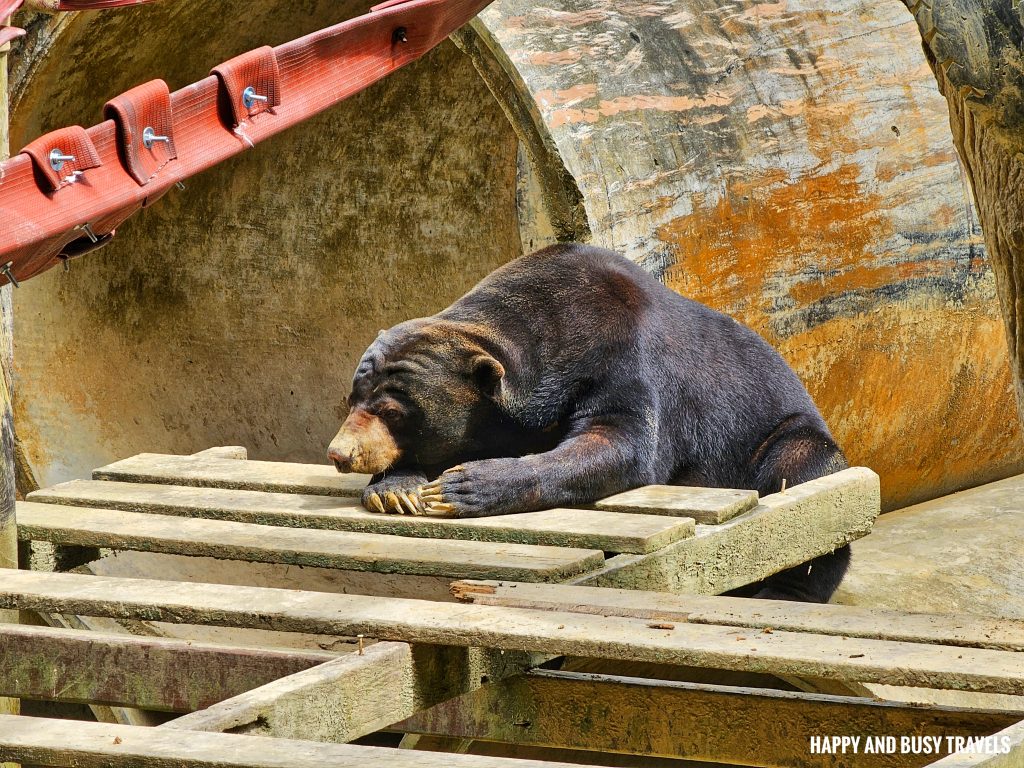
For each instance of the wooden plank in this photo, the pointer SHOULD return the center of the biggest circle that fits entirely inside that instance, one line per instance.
(587, 529)
(147, 672)
(8, 439)
(42, 741)
(206, 470)
(613, 714)
(710, 506)
(355, 695)
(945, 629)
(784, 530)
(554, 632)
(1002, 750)
(225, 452)
(323, 549)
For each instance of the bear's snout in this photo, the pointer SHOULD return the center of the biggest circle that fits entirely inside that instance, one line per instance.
(363, 444)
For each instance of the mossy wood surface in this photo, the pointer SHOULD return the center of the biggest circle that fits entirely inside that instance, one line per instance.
(518, 629)
(80, 526)
(357, 694)
(588, 529)
(147, 672)
(698, 722)
(41, 741)
(957, 630)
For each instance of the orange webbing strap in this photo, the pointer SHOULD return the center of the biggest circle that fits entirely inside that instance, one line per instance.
(67, 191)
(7, 9)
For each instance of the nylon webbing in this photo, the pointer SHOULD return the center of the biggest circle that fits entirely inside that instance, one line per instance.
(52, 210)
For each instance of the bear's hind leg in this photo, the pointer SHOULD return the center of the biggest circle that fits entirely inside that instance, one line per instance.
(800, 454)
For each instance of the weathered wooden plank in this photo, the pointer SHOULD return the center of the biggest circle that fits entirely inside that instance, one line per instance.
(784, 530)
(944, 629)
(146, 672)
(608, 637)
(588, 529)
(206, 470)
(225, 452)
(357, 694)
(710, 506)
(323, 549)
(613, 714)
(1002, 750)
(43, 741)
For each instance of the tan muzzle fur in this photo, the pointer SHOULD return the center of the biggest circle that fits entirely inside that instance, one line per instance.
(363, 444)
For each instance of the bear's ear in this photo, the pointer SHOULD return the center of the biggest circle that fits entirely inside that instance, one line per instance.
(487, 375)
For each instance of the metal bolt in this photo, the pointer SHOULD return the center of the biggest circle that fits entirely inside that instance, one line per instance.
(149, 137)
(250, 97)
(180, 185)
(58, 158)
(5, 270)
(87, 228)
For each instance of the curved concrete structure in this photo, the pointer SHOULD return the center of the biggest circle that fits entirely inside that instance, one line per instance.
(789, 164)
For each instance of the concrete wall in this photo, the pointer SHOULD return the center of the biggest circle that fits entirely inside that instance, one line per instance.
(786, 162)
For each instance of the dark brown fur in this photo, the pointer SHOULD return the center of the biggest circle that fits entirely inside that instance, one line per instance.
(571, 374)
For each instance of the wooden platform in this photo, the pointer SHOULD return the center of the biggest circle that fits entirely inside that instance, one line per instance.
(261, 601)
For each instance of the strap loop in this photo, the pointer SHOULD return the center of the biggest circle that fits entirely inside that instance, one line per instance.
(252, 83)
(144, 111)
(60, 156)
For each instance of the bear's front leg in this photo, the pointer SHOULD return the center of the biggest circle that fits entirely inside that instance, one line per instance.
(396, 492)
(486, 487)
(588, 466)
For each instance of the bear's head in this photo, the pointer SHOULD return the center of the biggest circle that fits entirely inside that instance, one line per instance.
(425, 393)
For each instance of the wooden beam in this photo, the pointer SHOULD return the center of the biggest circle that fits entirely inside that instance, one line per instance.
(81, 526)
(697, 722)
(355, 695)
(560, 633)
(784, 530)
(216, 471)
(587, 529)
(41, 741)
(710, 506)
(150, 673)
(1003, 750)
(945, 629)
(8, 526)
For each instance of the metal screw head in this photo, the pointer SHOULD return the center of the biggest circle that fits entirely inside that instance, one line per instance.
(5, 270)
(250, 97)
(149, 137)
(58, 158)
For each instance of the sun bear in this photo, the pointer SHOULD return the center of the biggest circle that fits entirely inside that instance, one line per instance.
(572, 374)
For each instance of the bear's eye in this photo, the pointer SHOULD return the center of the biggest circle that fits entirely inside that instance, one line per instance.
(390, 412)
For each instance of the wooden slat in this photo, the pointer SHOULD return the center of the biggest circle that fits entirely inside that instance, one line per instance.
(609, 637)
(297, 546)
(355, 695)
(710, 506)
(587, 529)
(945, 629)
(782, 531)
(147, 672)
(216, 471)
(42, 741)
(1007, 752)
(614, 714)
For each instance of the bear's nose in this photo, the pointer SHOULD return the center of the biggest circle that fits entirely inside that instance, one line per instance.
(341, 463)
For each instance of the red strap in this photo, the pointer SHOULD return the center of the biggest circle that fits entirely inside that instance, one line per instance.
(314, 73)
(63, 156)
(96, 5)
(7, 9)
(145, 128)
(252, 83)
